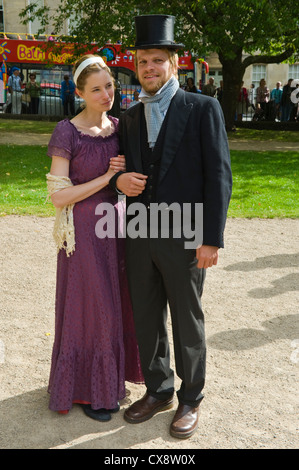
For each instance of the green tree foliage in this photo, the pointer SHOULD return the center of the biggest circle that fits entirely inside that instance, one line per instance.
(241, 32)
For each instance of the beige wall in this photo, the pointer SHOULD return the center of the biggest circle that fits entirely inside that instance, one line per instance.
(12, 23)
(11, 19)
(274, 73)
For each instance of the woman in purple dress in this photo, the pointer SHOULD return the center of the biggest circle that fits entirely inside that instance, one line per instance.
(95, 349)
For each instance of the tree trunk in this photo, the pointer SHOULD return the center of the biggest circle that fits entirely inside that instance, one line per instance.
(233, 72)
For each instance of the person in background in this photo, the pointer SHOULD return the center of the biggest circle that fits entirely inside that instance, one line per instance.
(116, 107)
(209, 89)
(190, 86)
(14, 84)
(263, 96)
(33, 88)
(259, 114)
(251, 96)
(68, 96)
(275, 96)
(242, 104)
(286, 103)
(295, 103)
(219, 92)
(135, 100)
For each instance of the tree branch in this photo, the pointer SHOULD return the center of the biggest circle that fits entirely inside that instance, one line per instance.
(268, 59)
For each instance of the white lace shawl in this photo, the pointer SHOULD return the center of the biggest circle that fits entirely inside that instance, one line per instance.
(64, 230)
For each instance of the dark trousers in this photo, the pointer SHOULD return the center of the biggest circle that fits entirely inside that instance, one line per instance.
(160, 271)
(69, 102)
(34, 105)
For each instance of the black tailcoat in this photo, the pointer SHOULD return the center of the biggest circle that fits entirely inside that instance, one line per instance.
(195, 164)
(194, 167)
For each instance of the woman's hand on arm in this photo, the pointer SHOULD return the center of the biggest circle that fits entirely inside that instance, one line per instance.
(73, 194)
(118, 163)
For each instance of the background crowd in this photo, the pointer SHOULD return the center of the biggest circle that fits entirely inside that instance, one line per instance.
(257, 104)
(30, 92)
(261, 102)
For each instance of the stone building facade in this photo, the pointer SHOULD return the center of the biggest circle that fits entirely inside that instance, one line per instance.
(272, 73)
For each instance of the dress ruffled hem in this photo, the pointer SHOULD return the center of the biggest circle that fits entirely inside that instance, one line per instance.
(101, 377)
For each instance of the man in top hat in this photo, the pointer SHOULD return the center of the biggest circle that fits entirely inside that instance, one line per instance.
(176, 151)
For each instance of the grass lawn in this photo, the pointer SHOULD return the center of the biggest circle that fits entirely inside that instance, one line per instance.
(22, 126)
(44, 127)
(264, 135)
(23, 188)
(265, 183)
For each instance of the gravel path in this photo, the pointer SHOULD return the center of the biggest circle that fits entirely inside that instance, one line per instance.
(235, 144)
(251, 308)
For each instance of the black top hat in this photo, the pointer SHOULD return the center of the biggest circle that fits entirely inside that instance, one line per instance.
(155, 31)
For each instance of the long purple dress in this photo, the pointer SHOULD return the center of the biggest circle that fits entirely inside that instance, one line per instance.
(95, 349)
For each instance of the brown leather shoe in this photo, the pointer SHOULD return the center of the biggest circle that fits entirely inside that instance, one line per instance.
(145, 408)
(185, 421)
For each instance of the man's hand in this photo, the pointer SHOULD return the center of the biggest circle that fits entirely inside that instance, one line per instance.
(131, 184)
(207, 256)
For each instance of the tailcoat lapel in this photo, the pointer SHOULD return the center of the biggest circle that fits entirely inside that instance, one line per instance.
(177, 120)
(176, 123)
(134, 122)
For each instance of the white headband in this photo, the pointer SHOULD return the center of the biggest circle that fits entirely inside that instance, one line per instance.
(85, 63)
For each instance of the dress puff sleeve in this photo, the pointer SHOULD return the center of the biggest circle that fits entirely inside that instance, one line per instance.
(60, 144)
